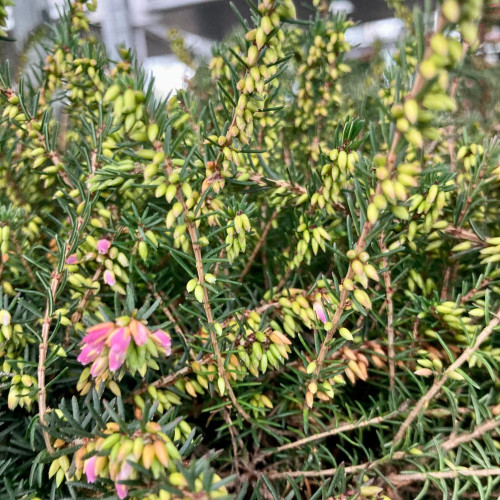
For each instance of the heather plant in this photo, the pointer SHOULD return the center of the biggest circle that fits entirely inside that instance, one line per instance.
(280, 282)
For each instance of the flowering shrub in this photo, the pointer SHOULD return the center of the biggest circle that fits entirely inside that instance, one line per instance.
(281, 282)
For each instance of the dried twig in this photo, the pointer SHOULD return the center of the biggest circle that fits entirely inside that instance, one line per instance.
(462, 234)
(400, 479)
(42, 348)
(471, 293)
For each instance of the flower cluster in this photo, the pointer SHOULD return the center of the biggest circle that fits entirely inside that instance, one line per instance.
(112, 456)
(125, 342)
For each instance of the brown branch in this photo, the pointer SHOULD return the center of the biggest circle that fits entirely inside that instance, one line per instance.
(264, 181)
(208, 313)
(471, 293)
(449, 474)
(462, 234)
(258, 246)
(206, 303)
(338, 430)
(42, 349)
(232, 433)
(436, 387)
(172, 377)
(399, 455)
(331, 472)
(217, 264)
(344, 294)
(465, 437)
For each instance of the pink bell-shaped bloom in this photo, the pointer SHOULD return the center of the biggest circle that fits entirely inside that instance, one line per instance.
(109, 278)
(89, 469)
(89, 353)
(320, 312)
(97, 334)
(119, 343)
(139, 332)
(72, 259)
(123, 475)
(103, 246)
(164, 340)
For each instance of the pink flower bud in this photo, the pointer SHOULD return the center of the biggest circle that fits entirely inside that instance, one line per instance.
(103, 246)
(109, 277)
(320, 312)
(89, 469)
(139, 332)
(119, 343)
(164, 339)
(123, 475)
(72, 259)
(89, 353)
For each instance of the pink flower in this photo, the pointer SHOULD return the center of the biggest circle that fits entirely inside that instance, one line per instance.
(123, 475)
(97, 334)
(103, 246)
(164, 340)
(119, 343)
(72, 259)
(89, 469)
(320, 312)
(89, 353)
(139, 332)
(109, 277)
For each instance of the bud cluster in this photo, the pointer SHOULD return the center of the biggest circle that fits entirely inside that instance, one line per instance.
(336, 176)
(236, 235)
(259, 59)
(116, 455)
(457, 319)
(310, 237)
(23, 392)
(320, 70)
(255, 351)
